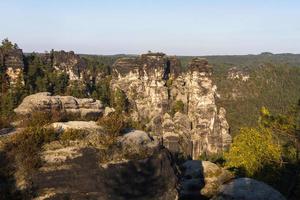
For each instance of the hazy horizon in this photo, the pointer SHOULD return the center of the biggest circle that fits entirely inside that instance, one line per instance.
(187, 28)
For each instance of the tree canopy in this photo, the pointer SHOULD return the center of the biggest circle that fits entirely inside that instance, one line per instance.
(253, 148)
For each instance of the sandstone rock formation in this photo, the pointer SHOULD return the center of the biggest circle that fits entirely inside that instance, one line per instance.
(137, 140)
(202, 179)
(88, 126)
(77, 172)
(154, 83)
(12, 62)
(108, 110)
(238, 74)
(247, 189)
(84, 108)
(70, 63)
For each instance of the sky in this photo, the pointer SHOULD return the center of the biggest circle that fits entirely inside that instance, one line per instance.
(175, 27)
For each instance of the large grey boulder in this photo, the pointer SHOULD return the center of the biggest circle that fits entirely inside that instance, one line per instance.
(45, 102)
(137, 140)
(202, 179)
(247, 189)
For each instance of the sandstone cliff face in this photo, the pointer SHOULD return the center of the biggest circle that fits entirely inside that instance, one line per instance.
(70, 63)
(13, 64)
(153, 84)
(144, 81)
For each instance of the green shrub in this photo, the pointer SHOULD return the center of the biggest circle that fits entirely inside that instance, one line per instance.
(41, 118)
(72, 134)
(4, 122)
(130, 123)
(120, 101)
(38, 118)
(177, 106)
(113, 125)
(169, 82)
(25, 146)
(217, 158)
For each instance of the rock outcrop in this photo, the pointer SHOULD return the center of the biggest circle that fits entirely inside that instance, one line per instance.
(84, 108)
(202, 179)
(247, 189)
(238, 74)
(78, 172)
(154, 85)
(70, 63)
(88, 126)
(137, 140)
(12, 60)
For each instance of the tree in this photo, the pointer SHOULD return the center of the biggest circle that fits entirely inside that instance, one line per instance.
(59, 82)
(178, 106)
(6, 44)
(113, 124)
(120, 101)
(102, 91)
(252, 149)
(284, 128)
(76, 89)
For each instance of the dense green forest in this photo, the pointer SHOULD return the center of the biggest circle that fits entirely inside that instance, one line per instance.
(274, 82)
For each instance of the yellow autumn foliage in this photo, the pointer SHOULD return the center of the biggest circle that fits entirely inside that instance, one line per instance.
(252, 149)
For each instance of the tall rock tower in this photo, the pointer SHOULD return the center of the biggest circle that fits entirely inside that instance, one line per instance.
(11, 60)
(177, 107)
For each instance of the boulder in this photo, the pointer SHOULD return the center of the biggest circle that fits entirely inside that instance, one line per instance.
(108, 110)
(202, 179)
(247, 189)
(138, 140)
(89, 126)
(85, 108)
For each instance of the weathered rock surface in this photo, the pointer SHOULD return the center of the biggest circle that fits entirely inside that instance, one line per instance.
(153, 84)
(108, 110)
(76, 172)
(247, 189)
(137, 140)
(89, 126)
(76, 67)
(237, 74)
(202, 179)
(12, 62)
(70, 63)
(84, 108)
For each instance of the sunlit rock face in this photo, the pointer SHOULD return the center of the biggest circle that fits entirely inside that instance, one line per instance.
(237, 74)
(144, 81)
(13, 64)
(153, 83)
(85, 108)
(70, 63)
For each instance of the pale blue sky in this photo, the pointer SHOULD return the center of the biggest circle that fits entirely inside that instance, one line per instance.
(182, 27)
